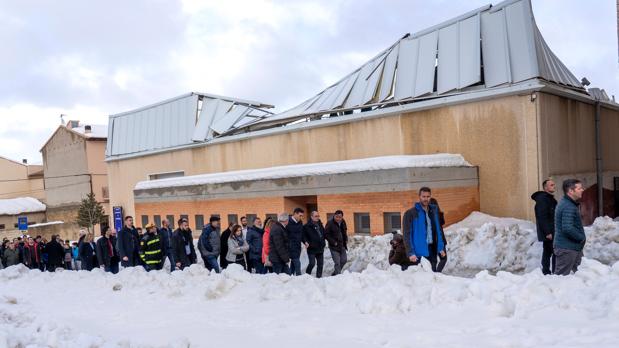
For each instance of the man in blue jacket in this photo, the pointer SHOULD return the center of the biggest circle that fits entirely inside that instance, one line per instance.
(570, 236)
(295, 235)
(423, 236)
(209, 244)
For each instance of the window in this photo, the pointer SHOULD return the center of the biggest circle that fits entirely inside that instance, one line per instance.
(105, 193)
(233, 218)
(272, 216)
(393, 222)
(171, 221)
(144, 220)
(250, 219)
(157, 219)
(199, 222)
(2, 227)
(362, 223)
(166, 175)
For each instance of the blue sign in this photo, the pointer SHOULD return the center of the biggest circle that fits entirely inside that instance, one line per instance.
(118, 218)
(22, 223)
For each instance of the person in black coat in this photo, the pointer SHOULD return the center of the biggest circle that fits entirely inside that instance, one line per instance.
(225, 235)
(166, 238)
(105, 250)
(182, 240)
(295, 237)
(336, 234)
(87, 251)
(279, 246)
(545, 204)
(314, 241)
(55, 254)
(128, 244)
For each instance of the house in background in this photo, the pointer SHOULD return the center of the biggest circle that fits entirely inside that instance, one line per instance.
(20, 179)
(13, 208)
(73, 166)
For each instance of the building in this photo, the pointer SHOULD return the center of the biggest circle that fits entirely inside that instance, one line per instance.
(12, 209)
(20, 179)
(484, 85)
(73, 165)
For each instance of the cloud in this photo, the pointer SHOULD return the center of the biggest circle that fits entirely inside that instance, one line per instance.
(89, 59)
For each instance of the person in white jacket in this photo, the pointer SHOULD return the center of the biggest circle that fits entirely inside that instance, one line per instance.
(237, 247)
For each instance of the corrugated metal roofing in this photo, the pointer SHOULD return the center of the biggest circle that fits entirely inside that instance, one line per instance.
(192, 117)
(484, 48)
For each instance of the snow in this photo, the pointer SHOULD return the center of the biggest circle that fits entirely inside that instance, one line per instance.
(309, 169)
(374, 306)
(46, 224)
(97, 131)
(20, 205)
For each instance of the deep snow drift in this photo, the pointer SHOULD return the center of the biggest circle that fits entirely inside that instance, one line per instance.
(374, 306)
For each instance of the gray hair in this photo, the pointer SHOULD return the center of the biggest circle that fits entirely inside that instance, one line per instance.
(282, 217)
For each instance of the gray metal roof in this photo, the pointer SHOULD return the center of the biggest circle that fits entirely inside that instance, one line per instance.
(487, 47)
(189, 118)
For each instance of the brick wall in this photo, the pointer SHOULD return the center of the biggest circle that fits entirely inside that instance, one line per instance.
(456, 202)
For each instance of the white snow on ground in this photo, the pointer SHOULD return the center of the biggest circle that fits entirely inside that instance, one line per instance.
(14, 206)
(321, 168)
(374, 306)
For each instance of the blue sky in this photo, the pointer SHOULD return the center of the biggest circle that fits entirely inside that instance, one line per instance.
(89, 59)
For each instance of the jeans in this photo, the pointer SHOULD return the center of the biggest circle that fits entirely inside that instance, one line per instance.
(258, 266)
(339, 260)
(436, 266)
(280, 267)
(548, 257)
(67, 265)
(295, 266)
(170, 256)
(313, 258)
(567, 261)
(77, 265)
(210, 262)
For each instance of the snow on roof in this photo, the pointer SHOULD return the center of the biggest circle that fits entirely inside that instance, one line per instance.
(20, 205)
(46, 224)
(97, 130)
(310, 169)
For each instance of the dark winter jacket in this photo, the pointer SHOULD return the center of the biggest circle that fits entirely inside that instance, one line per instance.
(151, 251)
(415, 231)
(314, 235)
(223, 242)
(209, 243)
(279, 246)
(127, 243)
(254, 239)
(87, 255)
(181, 241)
(397, 254)
(11, 257)
(295, 235)
(55, 254)
(105, 251)
(166, 239)
(545, 205)
(337, 235)
(569, 232)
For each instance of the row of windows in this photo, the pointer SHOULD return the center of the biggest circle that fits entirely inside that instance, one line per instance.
(362, 224)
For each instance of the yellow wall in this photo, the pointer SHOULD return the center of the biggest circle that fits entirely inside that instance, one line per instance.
(15, 182)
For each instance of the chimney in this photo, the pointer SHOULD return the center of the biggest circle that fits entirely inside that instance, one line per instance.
(73, 124)
(24, 161)
(87, 129)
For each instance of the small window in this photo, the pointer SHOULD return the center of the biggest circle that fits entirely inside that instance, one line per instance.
(250, 219)
(144, 220)
(393, 222)
(2, 227)
(171, 221)
(233, 219)
(105, 193)
(199, 222)
(166, 175)
(157, 219)
(362, 223)
(16, 225)
(272, 216)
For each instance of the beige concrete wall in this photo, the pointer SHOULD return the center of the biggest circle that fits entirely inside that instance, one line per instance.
(9, 221)
(15, 182)
(497, 135)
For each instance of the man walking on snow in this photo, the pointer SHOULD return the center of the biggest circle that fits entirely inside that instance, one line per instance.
(545, 204)
(423, 235)
(570, 236)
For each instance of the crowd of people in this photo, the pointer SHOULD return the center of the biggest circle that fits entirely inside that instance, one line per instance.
(275, 245)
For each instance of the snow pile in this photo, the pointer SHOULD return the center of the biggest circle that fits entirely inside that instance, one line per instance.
(20, 205)
(603, 240)
(310, 169)
(96, 131)
(237, 309)
(42, 224)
